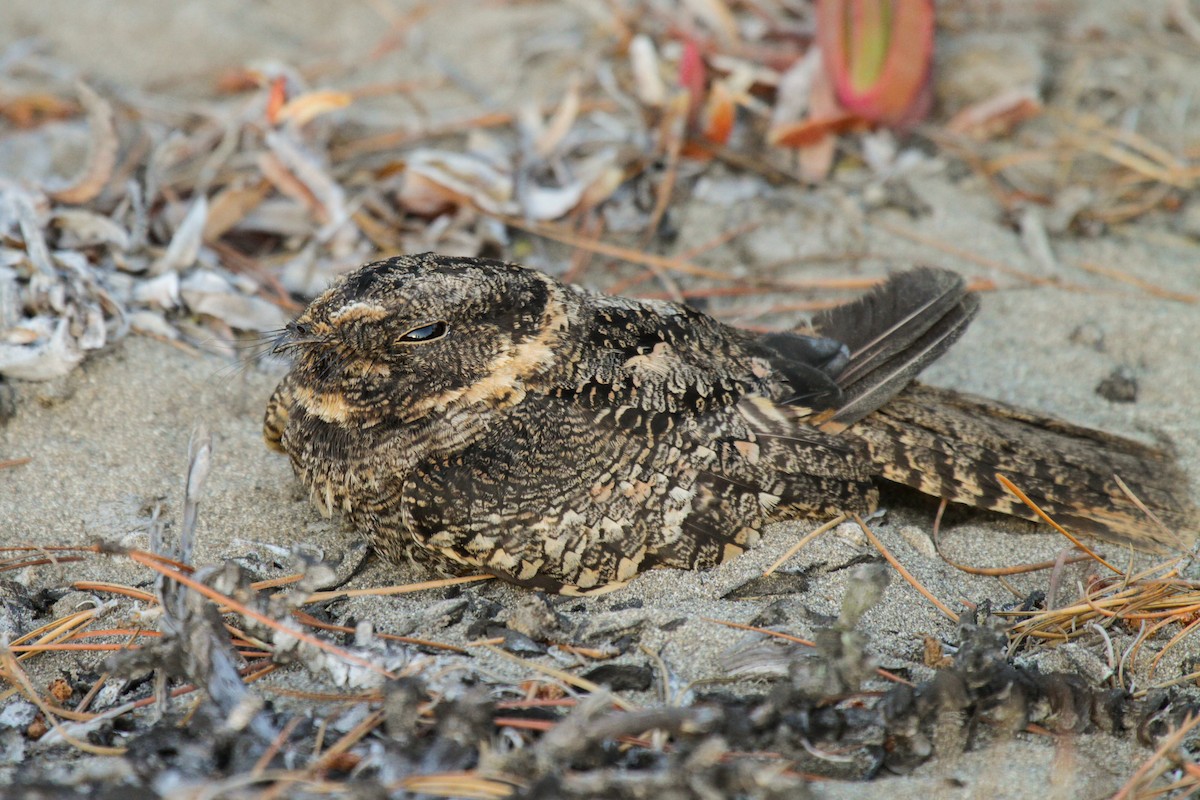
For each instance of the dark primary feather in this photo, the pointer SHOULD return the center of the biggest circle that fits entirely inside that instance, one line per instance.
(893, 333)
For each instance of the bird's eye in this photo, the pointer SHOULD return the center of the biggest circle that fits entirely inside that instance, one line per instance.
(425, 333)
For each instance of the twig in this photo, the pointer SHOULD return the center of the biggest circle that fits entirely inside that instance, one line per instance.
(908, 576)
(1007, 484)
(798, 546)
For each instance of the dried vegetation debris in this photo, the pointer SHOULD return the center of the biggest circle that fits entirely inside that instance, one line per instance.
(450, 726)
(229, 213)
(219, 217)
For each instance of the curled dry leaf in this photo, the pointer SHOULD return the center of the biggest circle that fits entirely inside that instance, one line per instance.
(21, 205)
(560, 124)
(813, 136)
(435, 179)
(102, 152)
(82, 228)
(31, 110)
(184, 248)
(806, 112)
(551, 202)
(276, 98)
(206, 292)
(305, 168)
(310, 105)
(647, 72)
(720, 112)
(997, 115)
(161, 292)
(230, 206)
(39, 349)
(10, 292)
(716, 15)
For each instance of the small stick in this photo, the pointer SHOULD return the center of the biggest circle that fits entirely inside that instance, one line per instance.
(1012, 487)
(145, 560)
(908, 576)
(798, 546)
(1170, 742)
(385, 591)
(1133, 280)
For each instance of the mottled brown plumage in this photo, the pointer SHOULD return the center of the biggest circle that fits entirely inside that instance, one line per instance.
(489, 417)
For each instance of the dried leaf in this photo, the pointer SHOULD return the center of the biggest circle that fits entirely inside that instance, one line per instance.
(814, 136)
(551, 202)
(31, 110)
(716, 16)
(207, 292)
(151, 323)
(720, 112)
(310, 105)
(83, 228)
(21, 205)
(276, 98)
(560, 124)
(647, 72)
(435, 178)
(184, 248)
(304, 167)
(161, 292)
(40, 349)
(997, 115)
(102, 152)
(230, 206)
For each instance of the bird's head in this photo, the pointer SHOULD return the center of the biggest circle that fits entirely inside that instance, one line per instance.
(414, 335)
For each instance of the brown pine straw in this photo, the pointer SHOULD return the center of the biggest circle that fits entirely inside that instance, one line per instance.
(969, 255)
(342, 746)
(313, 622)
(1012, 487)
(1153, 598)
(672, 135)
(11, 671)
(1140, 283)
(146, 560)
(469, 785)
(276, 744)
(904, 573)
(1138, 785)
(808, 537)
(114, 588)
(386, 591)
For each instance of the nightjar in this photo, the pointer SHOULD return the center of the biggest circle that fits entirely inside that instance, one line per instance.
(485, 416)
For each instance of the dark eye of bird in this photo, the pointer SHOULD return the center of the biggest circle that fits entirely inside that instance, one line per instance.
(425, 333)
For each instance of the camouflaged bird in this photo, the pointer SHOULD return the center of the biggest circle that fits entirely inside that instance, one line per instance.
(488, 417)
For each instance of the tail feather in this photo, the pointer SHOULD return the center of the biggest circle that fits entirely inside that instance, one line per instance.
(893, 333)
(954, 446)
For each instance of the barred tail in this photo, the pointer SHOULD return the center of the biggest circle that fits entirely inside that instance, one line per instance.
(954, 446)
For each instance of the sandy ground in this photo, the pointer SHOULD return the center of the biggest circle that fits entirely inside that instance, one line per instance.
(109, 442)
